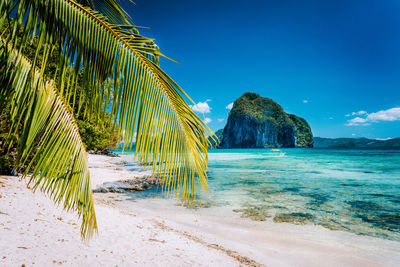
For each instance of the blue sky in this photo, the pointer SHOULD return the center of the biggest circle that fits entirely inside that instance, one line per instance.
(321, 60)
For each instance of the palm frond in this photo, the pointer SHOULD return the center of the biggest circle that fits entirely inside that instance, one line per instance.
(61, 168)
(146, 102)
(110, 8)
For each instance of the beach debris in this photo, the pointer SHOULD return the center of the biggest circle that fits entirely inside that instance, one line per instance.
(156, 240)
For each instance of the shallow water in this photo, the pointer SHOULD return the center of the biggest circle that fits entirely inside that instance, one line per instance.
(351, 190)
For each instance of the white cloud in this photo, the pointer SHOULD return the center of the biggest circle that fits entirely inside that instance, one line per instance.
(358, 113)
(361, 112)
(305, 101)
(353, 134)
(330, 118)
(207, 120)
(202, 107)
(357, 121)
(392, 114)
(220, 119)
(229, 106)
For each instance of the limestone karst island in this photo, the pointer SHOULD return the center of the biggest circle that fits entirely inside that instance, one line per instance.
(260, 122)
(200, 133)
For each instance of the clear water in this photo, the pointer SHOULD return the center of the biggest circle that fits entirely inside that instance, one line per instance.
(351, 190)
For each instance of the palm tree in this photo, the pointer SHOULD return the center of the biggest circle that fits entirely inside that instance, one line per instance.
(118, 71)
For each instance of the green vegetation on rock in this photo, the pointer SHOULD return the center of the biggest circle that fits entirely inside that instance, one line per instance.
(262, 108)
(304, 134)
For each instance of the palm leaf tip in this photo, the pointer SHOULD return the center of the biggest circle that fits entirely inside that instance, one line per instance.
(61, 169)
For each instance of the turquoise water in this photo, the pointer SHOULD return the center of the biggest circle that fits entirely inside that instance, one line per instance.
(351, 190)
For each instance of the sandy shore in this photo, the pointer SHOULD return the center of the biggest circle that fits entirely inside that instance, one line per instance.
(105, 169)
(158, 233)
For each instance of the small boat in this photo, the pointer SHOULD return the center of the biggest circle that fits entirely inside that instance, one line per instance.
(275, 150)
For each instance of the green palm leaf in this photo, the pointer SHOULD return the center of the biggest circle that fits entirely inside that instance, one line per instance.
(109, 8)
(146, 102)
(61, 162)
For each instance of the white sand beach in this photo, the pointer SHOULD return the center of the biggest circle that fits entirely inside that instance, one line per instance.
(159, 233)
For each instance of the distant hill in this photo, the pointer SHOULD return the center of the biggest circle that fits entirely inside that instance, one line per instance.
(350, 143)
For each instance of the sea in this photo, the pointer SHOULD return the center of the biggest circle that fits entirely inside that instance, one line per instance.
(349, 190)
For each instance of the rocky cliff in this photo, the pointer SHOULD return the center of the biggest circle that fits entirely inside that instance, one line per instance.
(304, 136)
(256, 122)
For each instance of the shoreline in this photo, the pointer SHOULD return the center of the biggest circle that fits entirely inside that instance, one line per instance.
(159, 233)
(266, 242)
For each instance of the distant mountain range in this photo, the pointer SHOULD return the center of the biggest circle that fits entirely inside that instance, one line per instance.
(343, 143)
(363, 143)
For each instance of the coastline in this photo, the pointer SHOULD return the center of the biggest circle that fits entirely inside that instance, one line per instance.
(160, 233)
